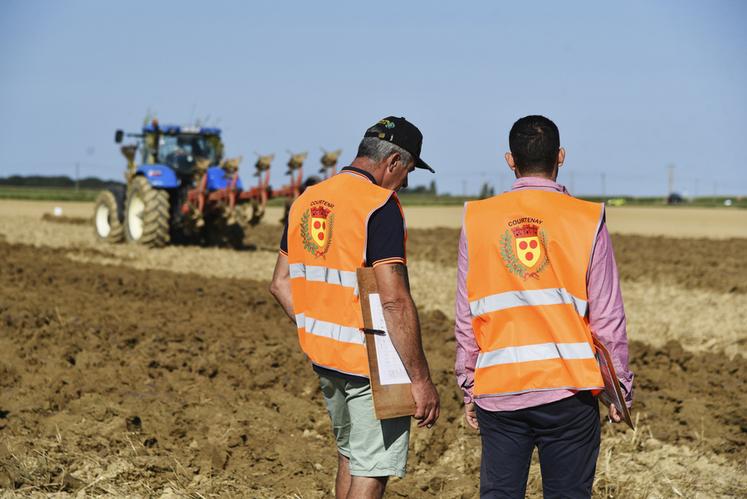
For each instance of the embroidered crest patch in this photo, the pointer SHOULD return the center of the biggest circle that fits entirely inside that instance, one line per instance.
(317, 223)
(524, 248)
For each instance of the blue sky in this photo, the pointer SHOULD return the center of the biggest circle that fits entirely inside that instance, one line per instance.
(633, 88)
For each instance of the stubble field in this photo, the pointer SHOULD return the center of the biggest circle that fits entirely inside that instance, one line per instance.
(172, 373)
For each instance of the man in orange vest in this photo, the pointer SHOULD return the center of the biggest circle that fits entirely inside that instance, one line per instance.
(536, 279)
(352, 220)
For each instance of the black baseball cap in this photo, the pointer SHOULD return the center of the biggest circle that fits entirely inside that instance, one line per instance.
(402, 133)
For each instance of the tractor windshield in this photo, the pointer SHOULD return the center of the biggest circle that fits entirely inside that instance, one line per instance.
(181, 151)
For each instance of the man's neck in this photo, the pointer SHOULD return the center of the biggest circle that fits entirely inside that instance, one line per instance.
(537, 175)
(553, 175)
(369, 166)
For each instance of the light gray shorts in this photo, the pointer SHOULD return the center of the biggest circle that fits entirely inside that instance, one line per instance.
(374, 447)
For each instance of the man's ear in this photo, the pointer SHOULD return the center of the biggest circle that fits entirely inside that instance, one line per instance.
(510, 161)
(561, 156)
(391, 161)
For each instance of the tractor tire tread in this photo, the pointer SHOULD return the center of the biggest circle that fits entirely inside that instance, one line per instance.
(116, 228)
(156, 214)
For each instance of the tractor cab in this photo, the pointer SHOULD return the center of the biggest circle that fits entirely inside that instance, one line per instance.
(181, 147)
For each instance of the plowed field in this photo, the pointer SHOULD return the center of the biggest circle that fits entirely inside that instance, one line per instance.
(172, 373)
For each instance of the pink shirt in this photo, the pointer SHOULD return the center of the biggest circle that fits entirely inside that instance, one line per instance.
(606, 318)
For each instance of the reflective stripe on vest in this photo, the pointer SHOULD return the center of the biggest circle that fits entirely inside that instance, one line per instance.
(330, 330)
(318, 273)
(528, 257)
(527, 297)
(528, 353)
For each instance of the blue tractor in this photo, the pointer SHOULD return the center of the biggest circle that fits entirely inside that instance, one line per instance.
(183, 190)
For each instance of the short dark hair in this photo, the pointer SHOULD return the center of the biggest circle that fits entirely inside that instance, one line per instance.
(534, 142)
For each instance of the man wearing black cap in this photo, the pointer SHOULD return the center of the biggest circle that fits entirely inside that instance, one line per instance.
(350, 220)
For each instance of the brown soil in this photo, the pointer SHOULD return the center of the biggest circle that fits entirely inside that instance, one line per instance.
(717, 265)
(690, 263)
(123, 381)
(697, 400)
(62, 219)
(708, 264)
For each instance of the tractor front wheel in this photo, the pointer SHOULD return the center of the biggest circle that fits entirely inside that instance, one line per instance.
(106, 223)
(147, 214)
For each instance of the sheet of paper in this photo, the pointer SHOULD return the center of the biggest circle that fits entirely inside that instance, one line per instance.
(391, 369)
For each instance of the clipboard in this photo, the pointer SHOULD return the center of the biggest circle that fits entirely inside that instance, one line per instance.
(612, 393)
(391, 400)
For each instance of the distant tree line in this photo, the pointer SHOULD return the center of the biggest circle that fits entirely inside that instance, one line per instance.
(421, 189)
(487, 190)
(56, 181)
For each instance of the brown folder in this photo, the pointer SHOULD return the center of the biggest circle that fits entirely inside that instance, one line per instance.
(612, 393)
(390, 400)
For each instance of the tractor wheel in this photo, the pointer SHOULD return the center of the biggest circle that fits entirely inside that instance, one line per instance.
(147, 214)
(106, 223)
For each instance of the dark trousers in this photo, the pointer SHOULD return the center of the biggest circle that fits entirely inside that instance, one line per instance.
(566, 434)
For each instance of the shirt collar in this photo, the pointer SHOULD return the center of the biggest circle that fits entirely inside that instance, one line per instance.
(537, 183)
(358, 171)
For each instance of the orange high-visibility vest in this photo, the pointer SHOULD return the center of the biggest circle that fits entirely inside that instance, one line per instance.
(529, 253)
(327, 232)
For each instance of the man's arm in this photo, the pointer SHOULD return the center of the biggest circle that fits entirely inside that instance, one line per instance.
(606, 311)
(401, 318)
(466, 346)
(280, 287)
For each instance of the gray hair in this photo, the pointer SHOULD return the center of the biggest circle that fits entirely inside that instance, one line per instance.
(377, 150)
